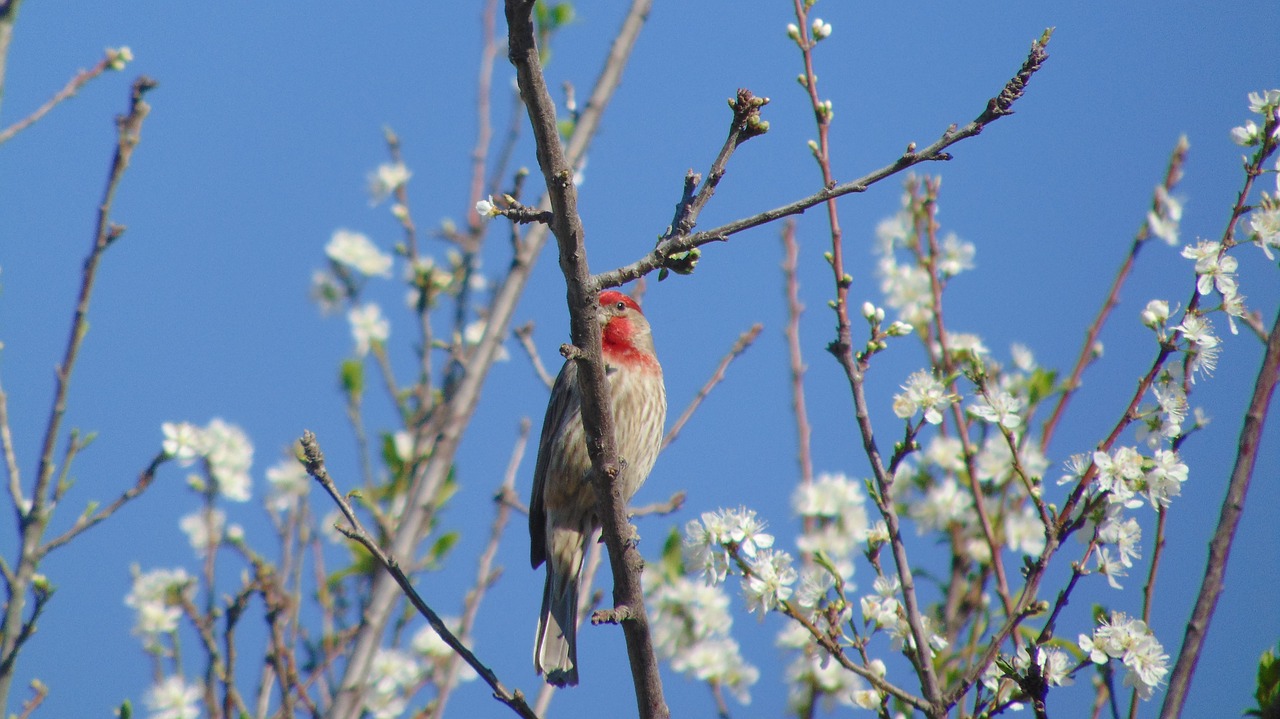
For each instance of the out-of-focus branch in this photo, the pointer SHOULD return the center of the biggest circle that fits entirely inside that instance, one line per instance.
(585, 330)
(1172, 175)
(484, 116)
(315, 467)
(524, 333)
(744, 341)
(1220, 546)
(113, 60)
(933, 152)
(8, 15)
(145, 478)
(34, 518)
(10, 454)
(671, 505)
(790, 269)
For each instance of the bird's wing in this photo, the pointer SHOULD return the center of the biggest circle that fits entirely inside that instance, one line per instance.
(563, 402)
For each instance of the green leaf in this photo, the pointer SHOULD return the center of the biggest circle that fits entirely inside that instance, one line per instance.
(1268, 693)
(672, 564)
(1040, 384)
(352, 374)
(683, 263)
(441, 547)
(126, 710)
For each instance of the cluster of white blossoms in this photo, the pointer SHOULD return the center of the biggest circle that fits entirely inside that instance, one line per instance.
(1264, 218)
(835, 513)
(393, 674)
(396, 674)
(720, 541)
(225, 449)
(882, 610)
(691, 624)
(1165, 217)
(1131, 641)
(1266, 104)
(1127, 475)
(998, 407)
(157, 598)
(906, 285)
(173, 698)
(820, 29)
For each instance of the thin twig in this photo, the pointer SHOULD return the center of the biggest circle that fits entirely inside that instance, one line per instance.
(668, 507)
(10, 454)
(934, 152)
(1172, 175)
(145, 478)
(524, 333)
(743, 342)
(111, 60)
(315, 467)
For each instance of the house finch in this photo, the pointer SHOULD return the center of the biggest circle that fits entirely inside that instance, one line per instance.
(562, 511)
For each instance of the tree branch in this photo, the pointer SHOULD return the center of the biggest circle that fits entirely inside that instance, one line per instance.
(1220, 546)
(597, 420)
(744, 341)
(448, 422)
(997, 107)
(315, 467)
(34, 519)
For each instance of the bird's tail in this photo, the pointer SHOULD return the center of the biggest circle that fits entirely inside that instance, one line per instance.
(556, 652)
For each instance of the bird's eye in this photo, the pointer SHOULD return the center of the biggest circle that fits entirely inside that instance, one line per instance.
(620, 306)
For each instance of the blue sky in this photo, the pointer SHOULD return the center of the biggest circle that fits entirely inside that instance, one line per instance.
(269, 116)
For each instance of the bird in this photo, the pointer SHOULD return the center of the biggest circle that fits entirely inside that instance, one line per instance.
(562, 508)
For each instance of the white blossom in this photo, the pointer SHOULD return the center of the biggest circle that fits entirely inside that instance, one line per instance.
(356, 251)
(769, 582)
(204, 529)
(388, 178)
(368, 326)
(924, 393)
(391, 673)
(173, 698)
(288, 482)
(998, 407)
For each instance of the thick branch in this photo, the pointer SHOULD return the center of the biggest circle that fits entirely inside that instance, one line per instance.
(597, 421)
(449, 425)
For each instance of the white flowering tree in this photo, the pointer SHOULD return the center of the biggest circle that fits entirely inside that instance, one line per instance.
(937, 578)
